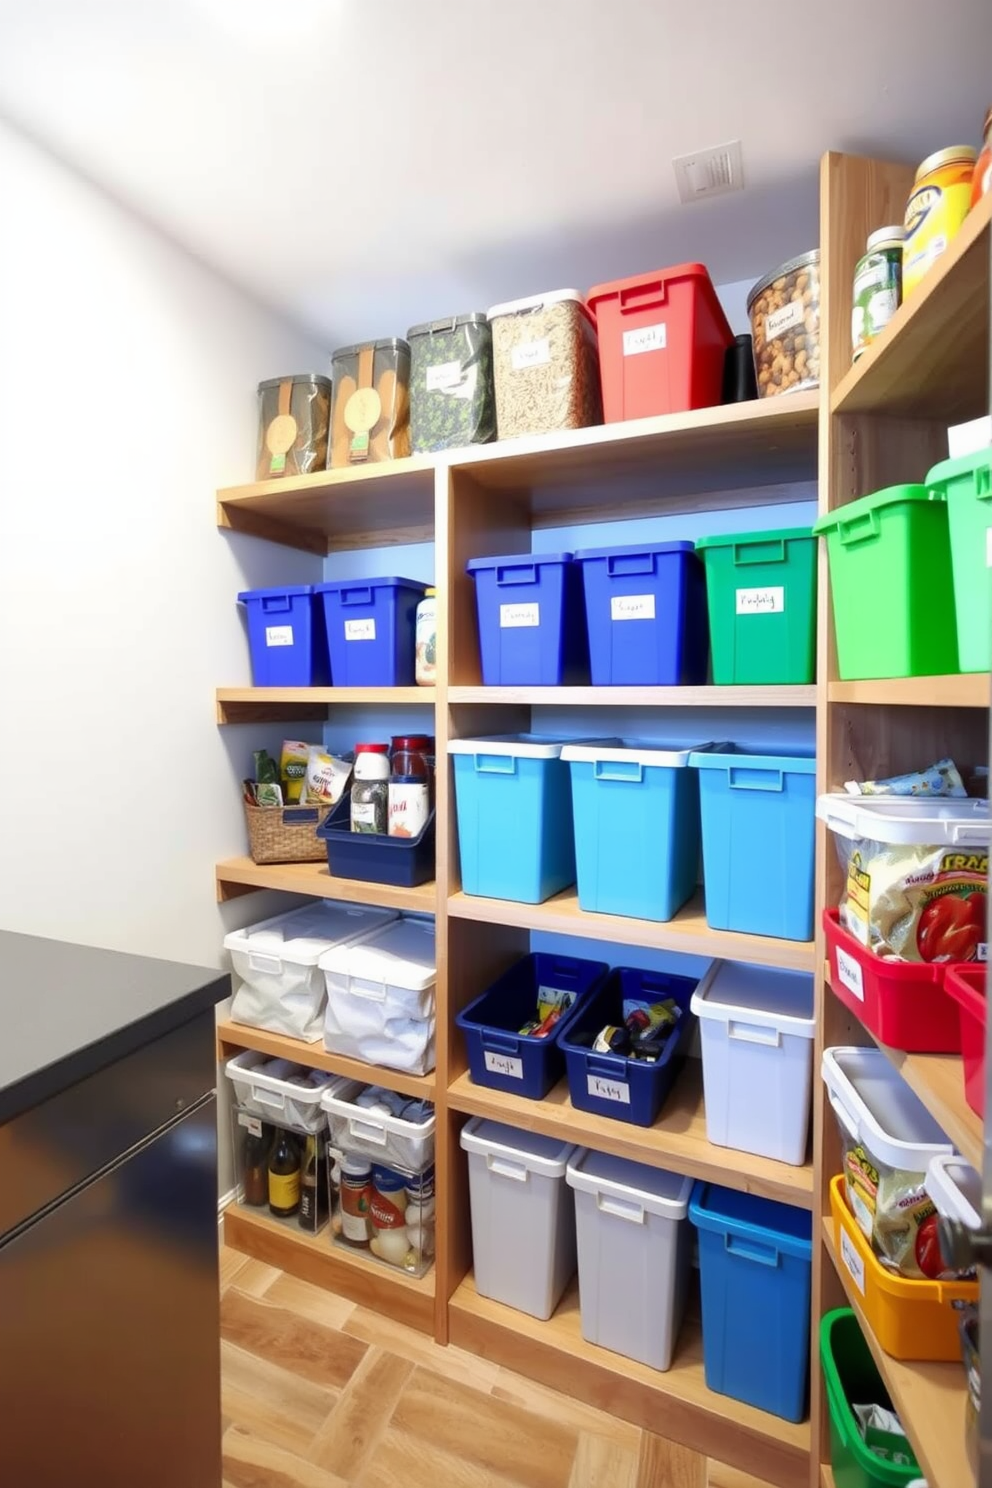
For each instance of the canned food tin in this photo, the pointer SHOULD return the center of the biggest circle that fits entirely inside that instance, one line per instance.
(877, 286)
(937, 206)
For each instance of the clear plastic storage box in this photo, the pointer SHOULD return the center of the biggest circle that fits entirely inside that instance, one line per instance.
(380, 997)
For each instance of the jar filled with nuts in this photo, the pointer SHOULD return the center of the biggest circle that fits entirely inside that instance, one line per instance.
(784, 308)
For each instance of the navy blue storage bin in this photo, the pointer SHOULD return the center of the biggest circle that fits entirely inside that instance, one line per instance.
(755, 1261)
(371, 627)
(610, 1084)
(287, 637)
(403, 862)
(502, 1058)
(532, 625)
(647, 617)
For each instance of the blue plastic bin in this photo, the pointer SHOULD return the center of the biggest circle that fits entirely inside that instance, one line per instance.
(372, 857)
(757, 815)
(636, 814)
(287, 637)
(646, 611)
(513, 801)
(755, 1259)
(370, 631)
(498, 1054)
(610, 1084)
(532, 622)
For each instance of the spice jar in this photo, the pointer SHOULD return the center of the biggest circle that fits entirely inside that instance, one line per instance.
(370, 789)
(981, 180)
(293, 419)
(356, 1200)
(426, 639)
(937, 206)
(408, 753)
(370, 409)
(877, 286)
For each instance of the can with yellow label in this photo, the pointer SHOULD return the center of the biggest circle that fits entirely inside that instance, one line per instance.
(937, 206)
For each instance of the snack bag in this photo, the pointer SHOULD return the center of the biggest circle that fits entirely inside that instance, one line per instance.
(326, 777)
(293, 770)
(916, 903)
(894, 1212)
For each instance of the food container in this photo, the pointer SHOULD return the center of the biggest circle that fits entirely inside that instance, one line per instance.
(761, 596)
(452, 401)
(904, 1005)
(293, 419)
(371, 626)
(877, 286)
(965, 484)
(425, 643)
(532, 620)
(287, 637)
(785, 322)
(546, 364)
(981, 180)
(370, 410)
(937, 206)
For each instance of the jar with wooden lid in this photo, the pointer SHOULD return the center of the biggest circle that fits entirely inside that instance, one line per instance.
(937, 206)
(370, 409)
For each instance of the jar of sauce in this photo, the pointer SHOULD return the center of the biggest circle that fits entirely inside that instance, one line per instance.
(877, 286)
(409, 753)
(356, 1200)
(937, 206)
(981, 181)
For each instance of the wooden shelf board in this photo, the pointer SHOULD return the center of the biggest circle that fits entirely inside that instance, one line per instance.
(233, 1036)
(640, 697)
(826, 1475)
(933, 357)
(675, 1402)
(677, 1140)
(960, 690)
(929, 1398)
(688, 932)
(939, 1082)
(313, 1258)
(236, 876)
(271, 704)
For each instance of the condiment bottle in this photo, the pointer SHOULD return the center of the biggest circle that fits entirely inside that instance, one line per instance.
(409, 805)
(981, 182)
(937, 206)
(284, 1176)
(877, 286)
(356, 1199)
(370, 790)
(426, 639)
(256, 1166)
(409, 755)
(313, 1188)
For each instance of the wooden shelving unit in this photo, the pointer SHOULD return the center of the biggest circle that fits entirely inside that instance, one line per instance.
(960, 690)
(273, 704)
(236, 876)
(638, 697)
(234, 1037)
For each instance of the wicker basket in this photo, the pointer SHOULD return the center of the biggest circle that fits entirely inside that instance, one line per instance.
(285, 834)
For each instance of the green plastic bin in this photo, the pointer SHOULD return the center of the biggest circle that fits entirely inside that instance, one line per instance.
(966, 484)
(851, 1378)
(761, 594)
(890, 578)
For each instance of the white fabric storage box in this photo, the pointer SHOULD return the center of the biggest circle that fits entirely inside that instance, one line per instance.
(392, 1140)
(380, 997)
(282, 988)
(631, 1231)
(523, 1218)
(280, 1091)
(756, 1031)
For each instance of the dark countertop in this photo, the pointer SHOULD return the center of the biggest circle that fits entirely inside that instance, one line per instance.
(67, 1011)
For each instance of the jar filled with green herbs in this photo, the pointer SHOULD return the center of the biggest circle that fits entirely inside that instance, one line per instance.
(451, 383)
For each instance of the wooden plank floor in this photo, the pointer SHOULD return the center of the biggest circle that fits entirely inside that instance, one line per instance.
(321, 1393)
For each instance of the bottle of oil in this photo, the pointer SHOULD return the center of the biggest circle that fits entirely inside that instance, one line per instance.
(313, 1188)
(284, 1175)
(256, 1165)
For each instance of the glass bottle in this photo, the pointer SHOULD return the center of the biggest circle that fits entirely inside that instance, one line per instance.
(284, 1176)
(356, 1200)
(313, 1188)
(370, 790)
(256, 1166)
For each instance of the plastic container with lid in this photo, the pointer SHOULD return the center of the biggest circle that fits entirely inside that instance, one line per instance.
(370, 789)
(663, 337)
(532, 620)
(371, 630)
(370, 409)
(452, 402)
(851, 1378)
(937, 207)
(885, 551)
(425, 639)
(646, 613)
(293, 419)
(757, 1027)
(545, 364)
(966, 485)
(877, 286)
(380, 1005)
(966, 986)
(761, 598)
(784, 308)
(408, 755)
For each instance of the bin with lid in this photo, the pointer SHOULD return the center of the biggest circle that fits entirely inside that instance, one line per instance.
(545, 364)
(287, 637)
(646, 613)
(380, 997)
(965, 484)
(761, 597)
(532, 620)
(371, 630)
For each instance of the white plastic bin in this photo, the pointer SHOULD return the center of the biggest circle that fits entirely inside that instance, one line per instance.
(380, 997)
(956, 1190)
(281, 988)
(395, 1140)
(279, 1091)
(523, 1219)
(756, 1029)
(634, 1248)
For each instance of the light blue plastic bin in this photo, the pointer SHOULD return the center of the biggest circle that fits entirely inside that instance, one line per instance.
(758, 816)
(755, 1262)
(636, 815)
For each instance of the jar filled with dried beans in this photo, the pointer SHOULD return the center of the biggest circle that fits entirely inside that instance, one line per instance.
(545, 364)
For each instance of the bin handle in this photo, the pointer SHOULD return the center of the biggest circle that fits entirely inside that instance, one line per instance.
(843, 1115)
(295, 816)
(277, 605)
(499, 1043)
(272, 965)
(495, 764)
(621, 1208)
(759, 552)
(750, 1033)
(774, 781)
(623, 770)
(274, 1099)
(367, 1133)
(751, 1250)
(519, 573)
(606, 1070)
(375, 993)
(627, 564)
(649, 296)
(983, 482)
(505, 1168)
(858, 529)
(360, 596)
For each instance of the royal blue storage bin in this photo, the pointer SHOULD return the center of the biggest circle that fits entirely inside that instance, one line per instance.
(647, 617)
(636, 816)
(498, 1054)
(403, 862)
(755, 1259)
(532, 624)
(610, 1084)
(287, 637)
(758, 821)
(370, 630)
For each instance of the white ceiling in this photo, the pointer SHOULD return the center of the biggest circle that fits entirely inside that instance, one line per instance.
(363, 164)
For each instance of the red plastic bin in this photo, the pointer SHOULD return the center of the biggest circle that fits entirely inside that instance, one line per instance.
(903, 1003)
(662, 341)
(966, 985)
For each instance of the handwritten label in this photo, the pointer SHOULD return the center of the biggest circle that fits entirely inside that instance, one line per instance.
(251, 1124)
(632, 607)
(648, 338)
(786, 319)
(531, 354)
(503, 1064)
(850, 974)
(519, 616)
(359, 630)
(611, 1090)
(278, 635)
(445, 375)
(767, 601)
(855, 1265)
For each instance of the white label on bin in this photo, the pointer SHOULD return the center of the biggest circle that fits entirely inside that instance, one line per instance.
(251, 1124)
(359, 630)
(632, 607)
(531, 354)
(278, 635)
(852, 1261)
(614, 1090)
(767, 601)
(786, 319)
(648, 338)
(503, 1064)
(444, 375)
(519, 616)
(851, 975)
